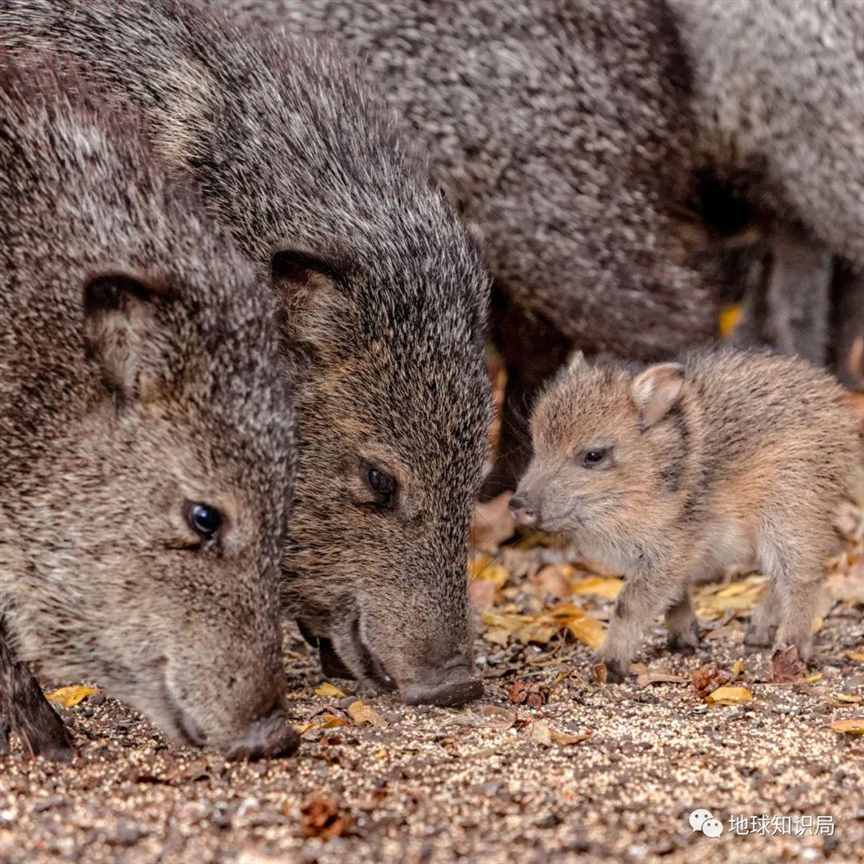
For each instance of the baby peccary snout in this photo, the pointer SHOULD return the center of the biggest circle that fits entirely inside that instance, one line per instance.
(728, 458)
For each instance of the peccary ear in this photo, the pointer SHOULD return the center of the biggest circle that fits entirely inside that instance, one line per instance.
(298, 270)
(656, 390)
(119, 327)
(577, 362)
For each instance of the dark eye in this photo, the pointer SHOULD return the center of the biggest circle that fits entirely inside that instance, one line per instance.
(381, 483)
(593, 458)
(204, 519)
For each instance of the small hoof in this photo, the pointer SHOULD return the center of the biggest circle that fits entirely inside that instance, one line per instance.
(684, 643)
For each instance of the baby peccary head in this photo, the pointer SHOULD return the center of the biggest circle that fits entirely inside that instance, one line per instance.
(601, 454)
(146, 431)
(680, 470)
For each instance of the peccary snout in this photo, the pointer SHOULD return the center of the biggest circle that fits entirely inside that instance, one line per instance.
(523, 511)
(268, 736)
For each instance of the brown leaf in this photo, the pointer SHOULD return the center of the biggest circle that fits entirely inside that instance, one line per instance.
(364, 715)
(645, 677)
(608, 587)
(322, 817)
(552, 580)
(708, 678)
(850, 726)
(492, 523)
(328, 690)
(524, 693)
(786, 666)
(599, 673)
(543, 732)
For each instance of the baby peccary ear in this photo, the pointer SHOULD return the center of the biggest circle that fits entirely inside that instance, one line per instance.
(120, 331)
(295, 271)
(656, 390)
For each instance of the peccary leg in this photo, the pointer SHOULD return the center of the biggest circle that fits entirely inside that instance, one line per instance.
(848, 325)
(642, 599)
(27, 711)
(799, 606)
(798, 296)
(533, 350)
(762, 626)
(682, 625)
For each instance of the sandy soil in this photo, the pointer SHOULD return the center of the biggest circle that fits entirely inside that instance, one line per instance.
(551, 765)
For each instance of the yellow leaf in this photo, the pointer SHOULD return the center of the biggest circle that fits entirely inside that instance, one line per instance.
(565, 739)
(857, 656)
(325, 721)
(497, 636)
(599, 586)
(737, 668)
(69, 697)
(590, 631)
(728, 320)
(328, 690)
(848, 698)
(364, 715)
(494, 573)
(729, 696)
(852, 726)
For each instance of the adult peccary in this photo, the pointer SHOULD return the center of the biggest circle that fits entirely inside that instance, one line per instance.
(562, 130)
(581, 138)
(385, 301)
(145, 438)
(777, 94)
(682, 469)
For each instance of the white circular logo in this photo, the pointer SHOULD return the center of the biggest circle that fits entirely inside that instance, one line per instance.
(703, 820)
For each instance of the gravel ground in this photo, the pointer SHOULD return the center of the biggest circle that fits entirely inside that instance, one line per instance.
(575, 770)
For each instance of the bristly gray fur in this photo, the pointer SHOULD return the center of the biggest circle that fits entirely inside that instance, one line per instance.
(293, 153)
(139, 372)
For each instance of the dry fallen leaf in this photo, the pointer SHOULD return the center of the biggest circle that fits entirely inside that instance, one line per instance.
(786, 666)
(364, 715)
(608, 587)
(324, 720)
(850, 726)
(599, 673)
(322, 817)
(729, 696)
(328, 690)
(543, 732)
(847, 698)
(742, 595)
(644, 676)
(708, 678)
(69, 697)
(857, 656)
(525, 693)
(737, 669)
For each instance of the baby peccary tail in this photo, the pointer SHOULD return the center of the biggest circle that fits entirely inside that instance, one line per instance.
(146, 462)
(726, 458)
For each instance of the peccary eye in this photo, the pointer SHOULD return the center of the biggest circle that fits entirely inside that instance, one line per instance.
(595, 457)
(381, 483)
(203, 519)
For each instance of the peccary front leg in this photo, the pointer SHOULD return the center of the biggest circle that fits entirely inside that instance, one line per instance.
(762, 626)
(26, 710)
(681, 623)
(643, 598)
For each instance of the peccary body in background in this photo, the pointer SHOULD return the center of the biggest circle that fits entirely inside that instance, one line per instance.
(386, 312)
(729, 458)
(568, 132)
(146, 460)
(563, 132)
(778, 102)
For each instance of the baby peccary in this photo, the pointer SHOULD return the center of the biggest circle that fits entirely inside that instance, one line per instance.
(384, 311)
(145, 462)
(727, 458)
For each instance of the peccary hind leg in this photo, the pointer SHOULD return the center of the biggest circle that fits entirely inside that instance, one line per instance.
(25, 710)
